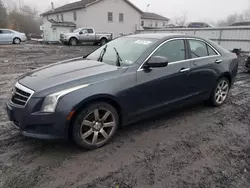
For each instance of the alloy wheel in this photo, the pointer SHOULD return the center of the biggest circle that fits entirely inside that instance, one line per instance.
(17, 41)
(221, 91)
(97, 127)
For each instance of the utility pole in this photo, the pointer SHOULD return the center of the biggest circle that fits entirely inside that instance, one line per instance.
(149, 6)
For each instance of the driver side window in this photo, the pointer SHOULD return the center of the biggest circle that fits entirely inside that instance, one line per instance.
(84, 31)
(173, 50)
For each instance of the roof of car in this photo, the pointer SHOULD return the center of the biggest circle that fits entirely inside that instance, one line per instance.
(157, 35)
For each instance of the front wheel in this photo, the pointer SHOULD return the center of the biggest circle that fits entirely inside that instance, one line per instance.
(73, 41)
(95, 126)
(16, 41)
(220, 92)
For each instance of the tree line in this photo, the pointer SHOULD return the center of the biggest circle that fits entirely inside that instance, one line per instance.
(24, 19)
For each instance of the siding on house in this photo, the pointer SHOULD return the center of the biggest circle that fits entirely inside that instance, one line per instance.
(96, 16)
(152, 23)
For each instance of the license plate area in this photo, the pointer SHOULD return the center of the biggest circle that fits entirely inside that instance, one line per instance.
(11, 116)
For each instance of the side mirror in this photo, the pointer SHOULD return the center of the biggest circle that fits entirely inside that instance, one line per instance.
(157, 61)
(80, 32)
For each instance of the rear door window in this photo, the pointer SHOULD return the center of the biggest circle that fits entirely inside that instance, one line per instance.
(198, 48)
(90, 30)
(6, 32)
(173, 50)
(211, 51)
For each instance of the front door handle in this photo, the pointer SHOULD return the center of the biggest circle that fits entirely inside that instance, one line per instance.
(218, 61)
(185, 69)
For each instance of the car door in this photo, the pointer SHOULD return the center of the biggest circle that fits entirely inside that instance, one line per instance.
(1, 36)
(7, 35)
(205, 59)
(83, 35)
(162, 86)
(91, 35)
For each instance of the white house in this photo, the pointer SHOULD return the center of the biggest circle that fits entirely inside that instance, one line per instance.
(152, 20)
(116, 16)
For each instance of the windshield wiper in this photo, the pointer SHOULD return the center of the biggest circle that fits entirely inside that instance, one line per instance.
(119, 59)
(102, 53)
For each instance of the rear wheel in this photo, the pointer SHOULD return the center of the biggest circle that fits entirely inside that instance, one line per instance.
(220, 92)
(103, 41)
(95, 126)
(16, 41)
(73, 41)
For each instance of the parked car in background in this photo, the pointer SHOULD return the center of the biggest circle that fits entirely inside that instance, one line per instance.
(129, 79)
(245, 23)
(85, 35)
(199, 25)
(11, 36)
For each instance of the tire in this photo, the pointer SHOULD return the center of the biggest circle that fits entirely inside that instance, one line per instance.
(16, 41)
(73, 41)
(103, 41)
(220, 93)
(95, 125)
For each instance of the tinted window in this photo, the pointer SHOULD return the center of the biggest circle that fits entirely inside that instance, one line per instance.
(90, 31)
(173, 50)
(198, 48)
(211, 51)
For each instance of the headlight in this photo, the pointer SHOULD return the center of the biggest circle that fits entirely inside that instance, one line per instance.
(51, 101)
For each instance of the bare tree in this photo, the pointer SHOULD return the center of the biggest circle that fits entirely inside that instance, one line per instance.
(3, 15)
(181, 20)
(245, 16)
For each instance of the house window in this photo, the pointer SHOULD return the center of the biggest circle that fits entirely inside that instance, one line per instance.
(121, 17)
(57, 16)
(164, 24)
(62, 18)
(142, 23)
(75, 16)
(156, 24)
(150, 24)
(110, 16)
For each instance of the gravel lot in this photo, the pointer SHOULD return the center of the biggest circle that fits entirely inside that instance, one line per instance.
(195, 147)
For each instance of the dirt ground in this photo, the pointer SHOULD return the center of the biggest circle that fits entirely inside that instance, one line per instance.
(195, 147)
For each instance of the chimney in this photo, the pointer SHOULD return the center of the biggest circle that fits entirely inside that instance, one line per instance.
(52, 6)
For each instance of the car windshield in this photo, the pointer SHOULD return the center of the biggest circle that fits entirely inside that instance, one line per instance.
(129, 49)
(77, 30)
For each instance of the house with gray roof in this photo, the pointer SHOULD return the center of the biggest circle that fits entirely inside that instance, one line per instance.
(120, 17)
(153, 20)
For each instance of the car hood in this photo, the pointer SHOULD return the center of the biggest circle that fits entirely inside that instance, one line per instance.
(71, 72)
(66, 34)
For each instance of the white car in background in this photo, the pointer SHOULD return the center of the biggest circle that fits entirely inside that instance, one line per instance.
(11, 36)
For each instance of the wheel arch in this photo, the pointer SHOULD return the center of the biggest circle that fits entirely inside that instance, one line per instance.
(74, 37)
(16, 37)
(103, 37)
(228, 76)
(93, 99)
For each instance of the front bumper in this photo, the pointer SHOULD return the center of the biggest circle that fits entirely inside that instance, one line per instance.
(63, 40)
(38, 125)
(23, 39)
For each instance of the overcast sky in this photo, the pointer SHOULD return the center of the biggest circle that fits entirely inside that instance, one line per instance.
(195, 10)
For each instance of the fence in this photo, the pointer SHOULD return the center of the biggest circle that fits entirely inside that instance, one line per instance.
(228, 37)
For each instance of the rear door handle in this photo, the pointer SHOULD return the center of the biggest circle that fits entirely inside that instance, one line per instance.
(185, 69)
(218, 61)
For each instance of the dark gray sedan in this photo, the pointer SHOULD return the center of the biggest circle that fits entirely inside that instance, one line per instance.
(129, 79)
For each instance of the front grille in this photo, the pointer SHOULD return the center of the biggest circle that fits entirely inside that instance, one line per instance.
(61, 36)
(21, 95)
